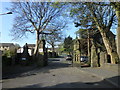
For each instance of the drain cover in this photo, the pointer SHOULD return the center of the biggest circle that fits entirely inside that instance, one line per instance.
(90, 83)
(24, 75)
(53, 75)
(93, 76)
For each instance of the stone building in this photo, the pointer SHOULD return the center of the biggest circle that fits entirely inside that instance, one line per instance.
(98, 54)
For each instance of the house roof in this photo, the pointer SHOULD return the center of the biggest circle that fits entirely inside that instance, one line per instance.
(6, 44)
(31, 45)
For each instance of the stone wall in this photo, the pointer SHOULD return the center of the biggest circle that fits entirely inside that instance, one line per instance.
(94, 56)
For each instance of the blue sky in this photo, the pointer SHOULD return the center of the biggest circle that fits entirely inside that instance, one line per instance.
(6, 22)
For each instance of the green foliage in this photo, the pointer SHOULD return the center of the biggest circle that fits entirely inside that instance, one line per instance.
(82, 33)
(61, 48)
(83, 46)
(17, 46)
(9, 53)
(58, 4)
(73, 12)
(7, 57)
(116, 5)
(68, 44)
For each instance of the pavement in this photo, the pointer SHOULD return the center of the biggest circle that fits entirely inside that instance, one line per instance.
(110, 75)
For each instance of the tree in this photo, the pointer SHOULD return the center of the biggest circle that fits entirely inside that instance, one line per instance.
(103, 16)
(55, 33)
(85, 39)
(53, 39)
(61, 48)
(104, 28)
(116, 6)
(83, 47)
(68, 45)
(17, 46)
(33, 17)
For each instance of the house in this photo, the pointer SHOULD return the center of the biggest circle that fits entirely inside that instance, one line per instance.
(7, 46)
(31, 48)
(20, 50)
(50, 49)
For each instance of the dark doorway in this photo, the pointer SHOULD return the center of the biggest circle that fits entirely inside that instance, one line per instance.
(108, 59)
(98, 59)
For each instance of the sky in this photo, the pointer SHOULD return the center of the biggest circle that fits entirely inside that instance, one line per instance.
(6, 22)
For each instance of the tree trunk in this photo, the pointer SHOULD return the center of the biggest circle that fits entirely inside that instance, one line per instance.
(53, 51)
(110, 50)
(88, 46)
(37, 43)
(113, 54)
(118, 33)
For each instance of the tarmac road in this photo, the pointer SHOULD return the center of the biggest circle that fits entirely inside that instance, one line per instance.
(58, 74)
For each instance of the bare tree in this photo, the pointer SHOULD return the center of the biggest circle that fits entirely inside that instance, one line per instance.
(53, 39)
(56, 35)
(34, 17)
(104, 19)
(116, 7)
(103, 16)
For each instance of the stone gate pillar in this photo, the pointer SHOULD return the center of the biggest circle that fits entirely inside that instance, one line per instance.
(43, 57)
(25, 55)
(94, 56)
(102, 59)
(76, 60)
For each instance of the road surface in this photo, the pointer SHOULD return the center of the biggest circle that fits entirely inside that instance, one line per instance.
(58, 74)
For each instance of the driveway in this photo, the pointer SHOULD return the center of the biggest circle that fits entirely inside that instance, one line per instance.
(58, 74)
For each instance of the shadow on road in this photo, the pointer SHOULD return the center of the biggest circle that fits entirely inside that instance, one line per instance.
(54, 59)
(23, 71)
(14, 71)
(101, 84)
